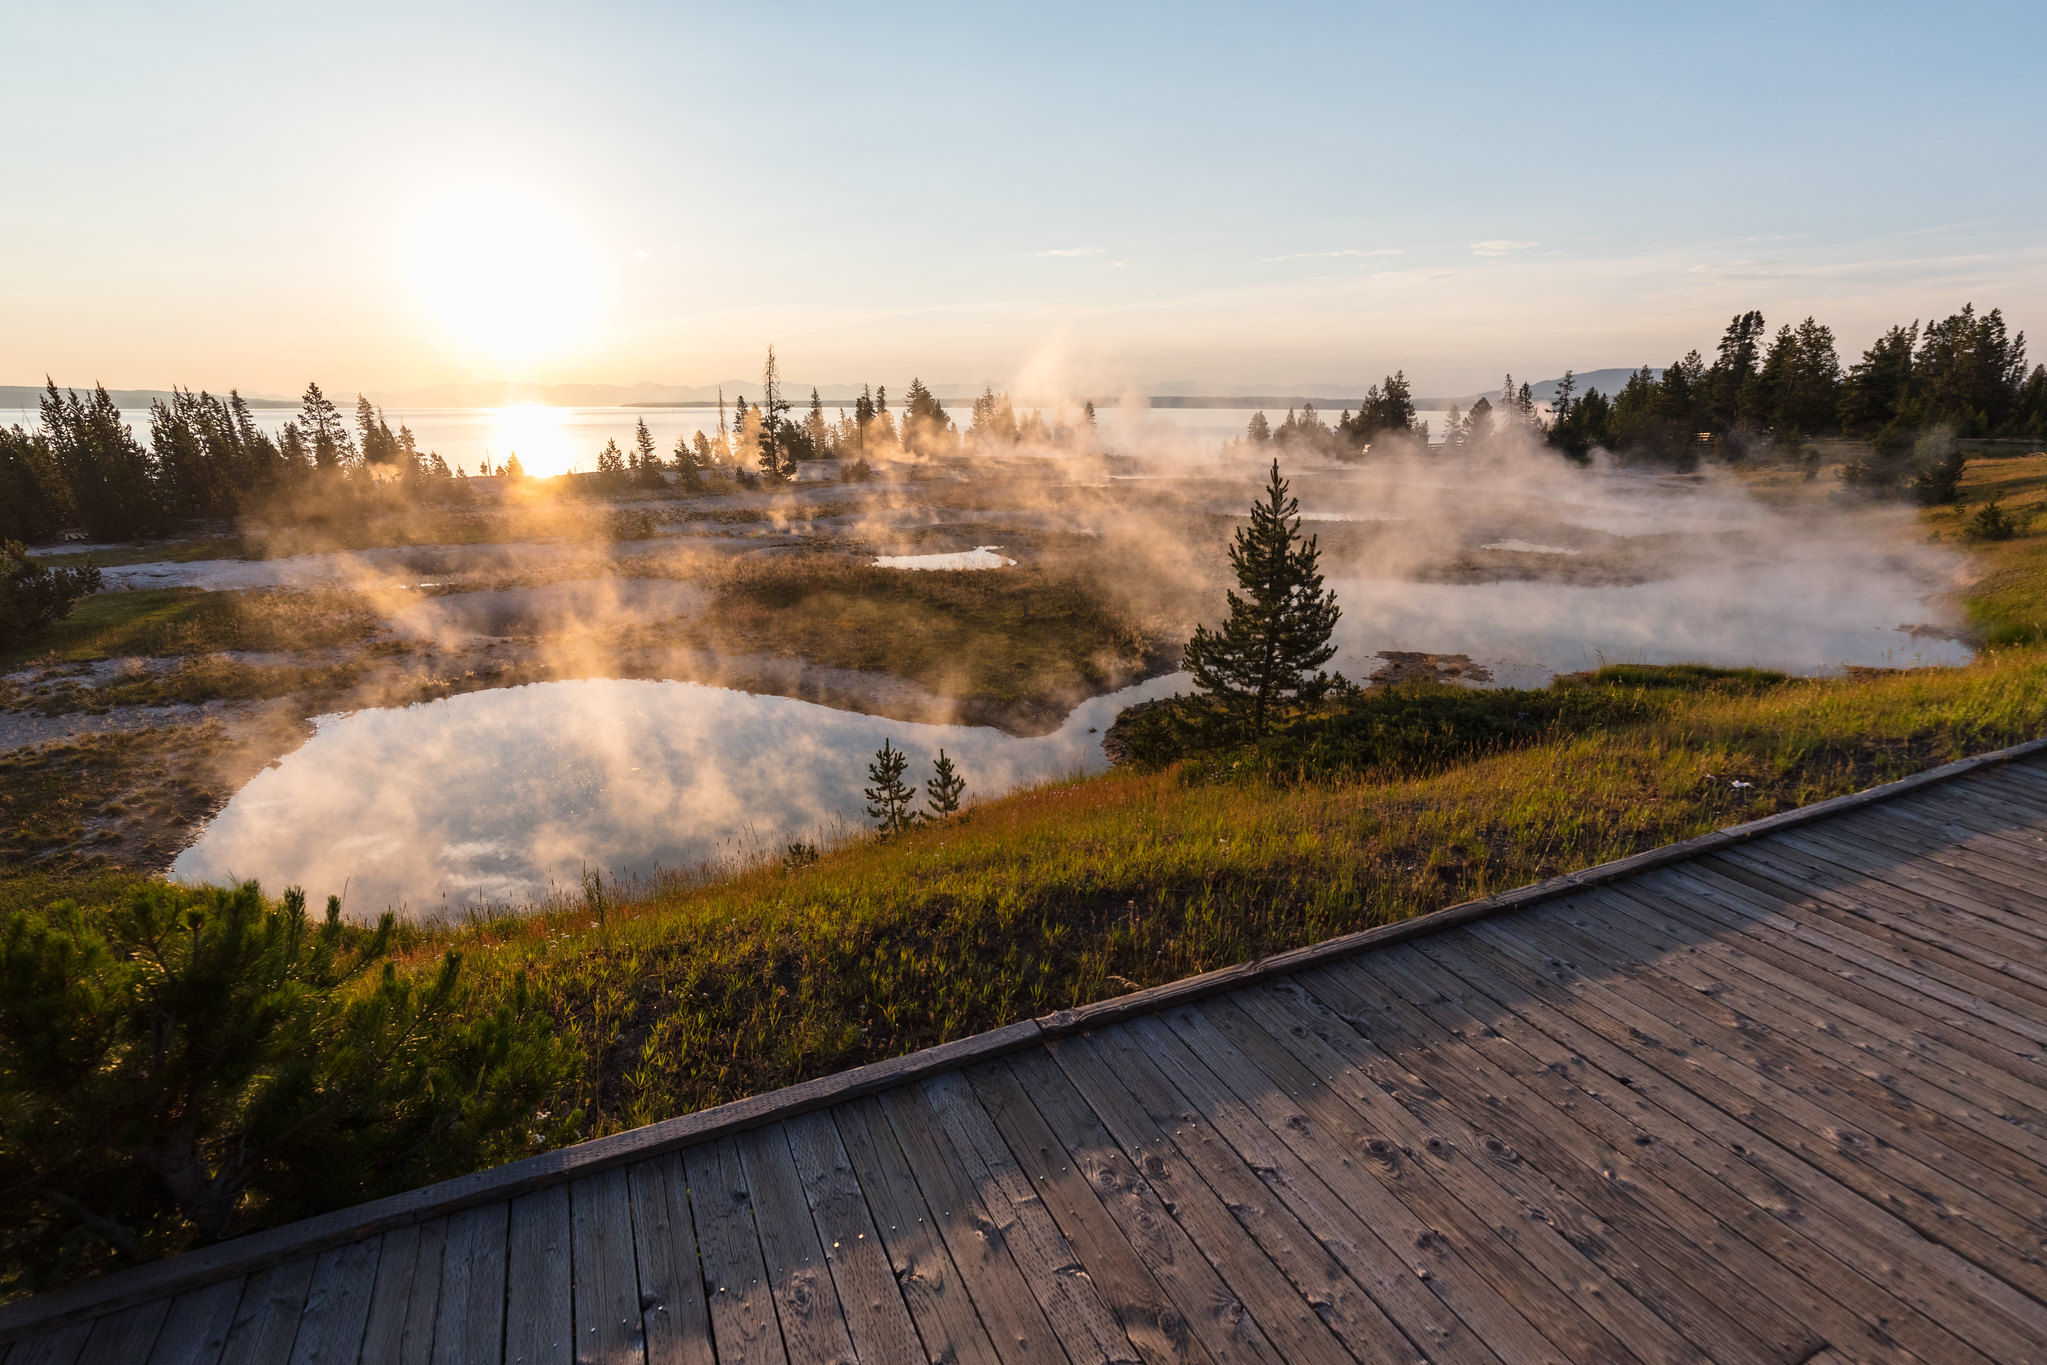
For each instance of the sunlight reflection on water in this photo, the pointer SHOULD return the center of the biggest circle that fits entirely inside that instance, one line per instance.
(493, 796)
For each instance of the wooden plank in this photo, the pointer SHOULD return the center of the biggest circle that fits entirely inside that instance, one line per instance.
(1491, 1287)
(1885, 868)
(609, 1330)
(1547, 1084)
(806, 1299)
(674, 1317)
(338, 1305)
(1158, 1321)
(1974, 950)
(384, 1327)
(1975, 1232)
(1386, 1253)
(877, 1318)
(1840, 1033)
(1227, 1209)
(948, 1325)
(423, 1312)
(469, 1326)
(1073, 1303)
(195, 1332)
(539, 1279)
(58, 1346)
(267, 1319)
(1670, 1252)
(1952, 833)
(1900, 855)
(1944, 1286)
(127, 1336)
(1837, 885)
(1954, 1172)
(2004, 1022)
(497, 1184)
(1648, 1309)
(742, 1307)
(1998, 1053)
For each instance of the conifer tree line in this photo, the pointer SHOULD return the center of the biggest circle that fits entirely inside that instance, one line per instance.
(82, 465)
(1964, 375)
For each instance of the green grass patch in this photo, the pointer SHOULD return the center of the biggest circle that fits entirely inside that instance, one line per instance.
(164, 622)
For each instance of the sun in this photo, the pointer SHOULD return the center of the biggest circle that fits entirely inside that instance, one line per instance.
(506, 276)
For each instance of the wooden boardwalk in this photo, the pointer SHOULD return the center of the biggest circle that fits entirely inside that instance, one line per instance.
(1779, 1094)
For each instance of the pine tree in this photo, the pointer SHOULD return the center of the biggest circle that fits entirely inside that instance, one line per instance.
(942, 793)
(1258, 431)
(772, 406)
(1278, 631)
(324, 430)
(890, 797)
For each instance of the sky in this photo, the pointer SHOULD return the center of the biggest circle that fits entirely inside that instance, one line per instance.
(1058, 198)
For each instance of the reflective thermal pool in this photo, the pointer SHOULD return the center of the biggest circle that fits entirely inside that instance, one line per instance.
(495, 796)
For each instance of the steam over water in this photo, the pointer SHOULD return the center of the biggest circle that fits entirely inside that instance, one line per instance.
(498, 796)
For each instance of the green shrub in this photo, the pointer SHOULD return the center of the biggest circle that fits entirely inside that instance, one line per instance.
(34, 596)
(192, 1064)
(1992, 522)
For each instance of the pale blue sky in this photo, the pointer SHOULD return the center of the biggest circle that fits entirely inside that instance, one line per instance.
(1078, 196)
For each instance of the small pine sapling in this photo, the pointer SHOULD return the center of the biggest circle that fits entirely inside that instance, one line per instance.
(890, 797)
(942, 793)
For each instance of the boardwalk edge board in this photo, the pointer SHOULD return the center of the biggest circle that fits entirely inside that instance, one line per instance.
(327, 1231)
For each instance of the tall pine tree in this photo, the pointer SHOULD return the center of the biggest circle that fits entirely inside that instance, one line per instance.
(1271, 649)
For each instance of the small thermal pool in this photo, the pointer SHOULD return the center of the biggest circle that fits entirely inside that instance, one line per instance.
(980, 557)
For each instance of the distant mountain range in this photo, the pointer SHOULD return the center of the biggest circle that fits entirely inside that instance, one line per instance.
(1173, 394)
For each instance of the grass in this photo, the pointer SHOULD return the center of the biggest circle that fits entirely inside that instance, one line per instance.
(165, 622)
(103, 803)
(2008, 604)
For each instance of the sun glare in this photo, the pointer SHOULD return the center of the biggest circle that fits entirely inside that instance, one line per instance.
(536, 434)
(507, 277)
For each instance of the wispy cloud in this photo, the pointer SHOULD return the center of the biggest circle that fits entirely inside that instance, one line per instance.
(1071, 251)
(1326, 255)
(1499, 247)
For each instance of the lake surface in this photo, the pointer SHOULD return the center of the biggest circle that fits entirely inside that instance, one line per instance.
(497, 797)
(552, 440)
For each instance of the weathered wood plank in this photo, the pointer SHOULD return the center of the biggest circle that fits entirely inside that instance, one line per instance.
(384, 1326)
(806, 1299)
(539, 1277)
(1902, 857)
(1158, 1321)
(877, 1318)
(949, 1326)
(1503, 1303)
(1565, 1241)
(58, 1346)
(1904, 1014)
(673, 1314)
(1841, 1033)
(1898, 1140)
(423, 1311)
(1971, 1231)
(338, 1305)
(1848, 891)
(1565, 1097)
(609, 1329)
(609, 1326)
(1223, 1204)
(127, 1336)
(742, 1306)
(195, 1332)
(469, 1324)
(1073, 1304)
(267, 1319)
(978, 1245)
(1944, 1286)
(1383, 1250)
